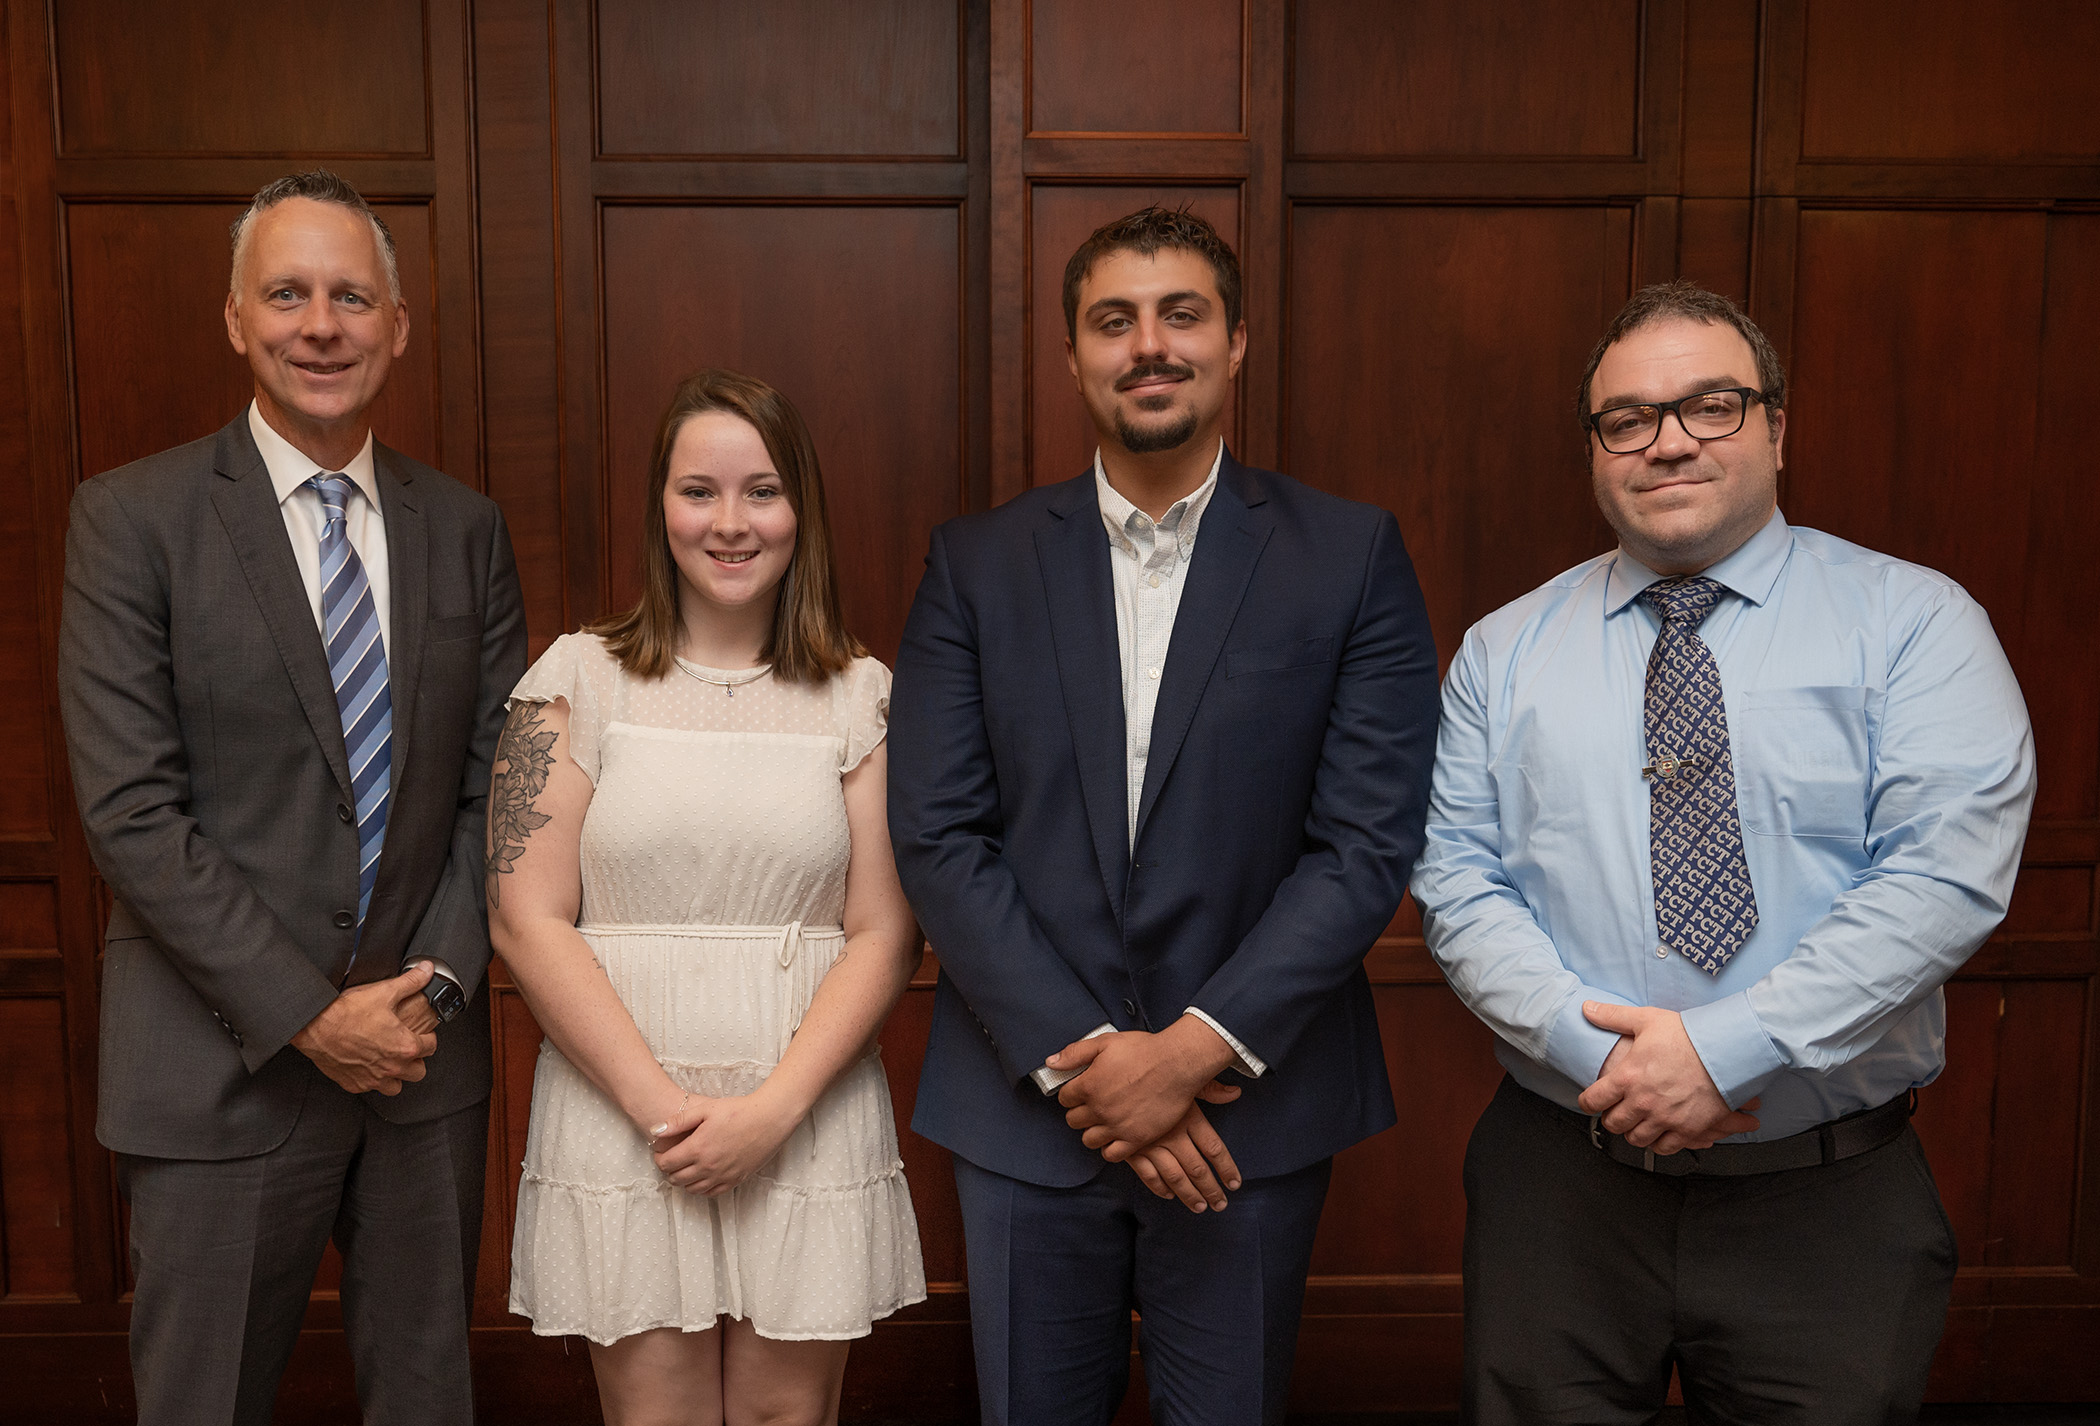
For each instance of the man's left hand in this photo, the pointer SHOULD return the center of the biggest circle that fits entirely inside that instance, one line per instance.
(1136, 1086)
(1654, 1089)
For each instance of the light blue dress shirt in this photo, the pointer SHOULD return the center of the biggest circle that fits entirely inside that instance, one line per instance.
(1884, 771)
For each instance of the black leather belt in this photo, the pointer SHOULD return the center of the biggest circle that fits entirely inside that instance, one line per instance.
(1829, 1143)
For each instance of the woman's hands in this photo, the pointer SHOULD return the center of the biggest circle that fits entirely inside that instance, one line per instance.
(712, 1145)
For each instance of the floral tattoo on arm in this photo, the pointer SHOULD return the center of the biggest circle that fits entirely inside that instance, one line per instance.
(523, 755)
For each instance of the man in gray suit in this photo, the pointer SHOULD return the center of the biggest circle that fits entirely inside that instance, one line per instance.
(282, 667)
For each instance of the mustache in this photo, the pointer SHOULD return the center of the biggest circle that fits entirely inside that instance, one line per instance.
(1152, 370)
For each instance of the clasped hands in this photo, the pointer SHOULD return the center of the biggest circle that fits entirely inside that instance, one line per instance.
(1135, 1102)
(374, 1036)
(710, 1145)
(1653, 1088)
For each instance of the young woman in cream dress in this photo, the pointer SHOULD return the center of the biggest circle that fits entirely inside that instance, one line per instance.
(690, 877)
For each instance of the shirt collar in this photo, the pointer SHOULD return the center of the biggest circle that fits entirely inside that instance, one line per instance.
(1181, 518)
(291, 467)
(1751, 570)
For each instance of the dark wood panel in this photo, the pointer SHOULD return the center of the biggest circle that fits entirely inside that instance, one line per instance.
(170, 260)
(1876, 85)
(1713, 245)
(1406, 389)
(853, 312)
(517, 1047)
(2034, 1126)
(1396, 1204)
(28, 916)
(36, 1190)
(235, 77)
(520, 327)
(779, 77)
(926, 1164)
(1954, 1112)
(1109, 67)
(1475, 78)
(25, 677)
(2058, 642)
(2051, 899)
(1061, 435)
(1940, 325)
(1720, 97)
(27, 695)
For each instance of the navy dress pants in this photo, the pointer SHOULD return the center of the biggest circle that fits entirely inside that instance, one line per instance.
(1055, 1273)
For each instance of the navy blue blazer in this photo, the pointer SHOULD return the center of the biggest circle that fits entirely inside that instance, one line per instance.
(1281, 812)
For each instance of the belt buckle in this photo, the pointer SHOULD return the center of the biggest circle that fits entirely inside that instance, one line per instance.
(1596, 1136)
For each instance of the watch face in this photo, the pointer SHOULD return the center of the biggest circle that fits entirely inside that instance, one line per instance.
(448, 1001)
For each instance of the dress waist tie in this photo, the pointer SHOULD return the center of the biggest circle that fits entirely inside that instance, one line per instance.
(788, 945)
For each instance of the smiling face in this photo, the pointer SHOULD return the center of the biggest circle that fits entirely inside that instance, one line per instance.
(1152, 354)
(310, 311)
(727, 516)
(1684, 504)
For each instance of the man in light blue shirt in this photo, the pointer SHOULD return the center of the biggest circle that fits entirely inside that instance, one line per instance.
(1715, 816)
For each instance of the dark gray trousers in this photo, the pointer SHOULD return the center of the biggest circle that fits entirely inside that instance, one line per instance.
(224, 1253)
(1815, 1295)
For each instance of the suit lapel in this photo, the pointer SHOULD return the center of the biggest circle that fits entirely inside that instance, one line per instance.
(408, 586)
(254, 523)
(1072, 550)
(1228, 544)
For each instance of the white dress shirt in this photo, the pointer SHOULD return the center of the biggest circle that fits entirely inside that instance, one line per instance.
(290, 469)
(1148, 561)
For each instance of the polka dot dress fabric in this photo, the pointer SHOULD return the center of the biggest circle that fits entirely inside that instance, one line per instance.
(714, 879)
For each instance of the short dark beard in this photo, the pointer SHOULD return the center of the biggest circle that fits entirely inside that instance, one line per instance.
(1151, 440)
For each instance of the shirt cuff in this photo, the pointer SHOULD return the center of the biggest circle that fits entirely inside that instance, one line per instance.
(1250, 1063)
(1574, 1046)
(1732, 1044)
(1049, 1081)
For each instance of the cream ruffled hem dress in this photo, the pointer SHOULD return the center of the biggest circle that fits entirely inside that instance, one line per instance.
(714, 880)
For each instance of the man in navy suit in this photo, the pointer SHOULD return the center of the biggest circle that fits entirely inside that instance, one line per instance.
(1160, 750)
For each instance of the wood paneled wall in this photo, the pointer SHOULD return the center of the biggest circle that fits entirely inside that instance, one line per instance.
(1438, 205)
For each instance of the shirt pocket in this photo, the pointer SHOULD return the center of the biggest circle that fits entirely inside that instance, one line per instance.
(1802, 760)
(1272, 658)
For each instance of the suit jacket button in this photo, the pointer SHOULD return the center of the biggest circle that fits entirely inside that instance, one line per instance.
(1130, 1007)
(342, 812)
(344, 920)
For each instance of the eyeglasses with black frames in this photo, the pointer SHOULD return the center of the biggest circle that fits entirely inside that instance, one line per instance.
(1705, 416)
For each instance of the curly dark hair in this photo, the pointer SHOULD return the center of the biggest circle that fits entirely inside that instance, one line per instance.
(1682, 300)
(1145, 232)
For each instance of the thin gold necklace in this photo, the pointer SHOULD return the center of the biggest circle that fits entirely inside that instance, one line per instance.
(731, 684)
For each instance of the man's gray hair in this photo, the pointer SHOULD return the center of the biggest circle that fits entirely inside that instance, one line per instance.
(323, 187)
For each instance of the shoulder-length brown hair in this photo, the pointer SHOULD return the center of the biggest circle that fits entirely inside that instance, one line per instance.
(809, 641)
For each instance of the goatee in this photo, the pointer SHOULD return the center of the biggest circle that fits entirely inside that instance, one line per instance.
(1150, 440)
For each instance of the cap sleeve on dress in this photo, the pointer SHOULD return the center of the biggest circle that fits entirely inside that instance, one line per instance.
(867, 710)
(574, 669)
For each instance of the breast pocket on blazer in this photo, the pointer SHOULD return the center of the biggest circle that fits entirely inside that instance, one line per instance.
(455, 626)
(1802, 760)
(1272, 658)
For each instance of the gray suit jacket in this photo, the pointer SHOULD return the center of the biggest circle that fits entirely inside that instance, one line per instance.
(207, 756)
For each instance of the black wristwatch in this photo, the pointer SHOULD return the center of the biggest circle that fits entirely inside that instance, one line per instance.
(444, 992)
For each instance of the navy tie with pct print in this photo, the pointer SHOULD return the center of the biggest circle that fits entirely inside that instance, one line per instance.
(1705, 907)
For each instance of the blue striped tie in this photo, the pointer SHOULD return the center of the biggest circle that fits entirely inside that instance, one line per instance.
(357, 665)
